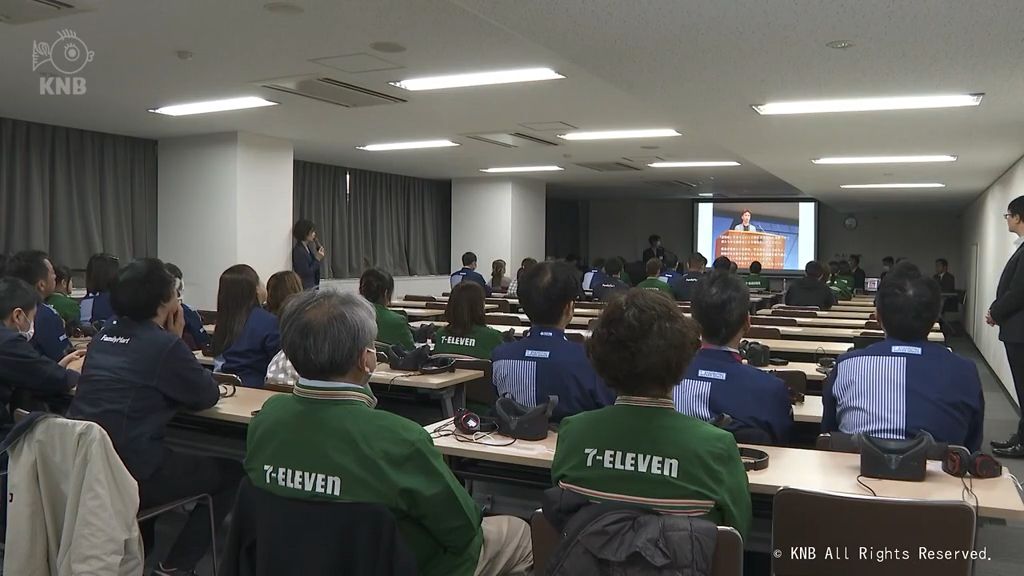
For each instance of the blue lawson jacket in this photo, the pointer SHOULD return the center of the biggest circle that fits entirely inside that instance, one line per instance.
(251, 353)
(682, 286)
(717, 382)
(135, 378)
(50, 338)
(305, 264)
(472, 276)
(895, 389)
(23, 367)
(543, 364)
(96, 307)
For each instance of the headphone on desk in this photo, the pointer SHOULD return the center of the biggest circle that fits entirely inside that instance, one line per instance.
(753, 459)
(469, 422)
(959, 462)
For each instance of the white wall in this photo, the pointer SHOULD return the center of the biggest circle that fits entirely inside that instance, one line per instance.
(481, 220)
(621, 227)
(196, 210)
(264, 214)
(529, 212)
(419, 285)
(920, 237)
(984, 226)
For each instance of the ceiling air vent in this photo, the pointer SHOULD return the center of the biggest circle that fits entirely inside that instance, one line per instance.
(23, 11)
(608, 166)
(510, 139)
(671, 183)
(331, 91)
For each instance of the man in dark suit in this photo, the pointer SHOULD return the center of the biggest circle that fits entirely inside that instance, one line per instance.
(656, 250)
(947, 283)
(1007, 312)
(859, 276)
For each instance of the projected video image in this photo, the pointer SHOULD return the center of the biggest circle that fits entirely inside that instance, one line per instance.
(780, 235)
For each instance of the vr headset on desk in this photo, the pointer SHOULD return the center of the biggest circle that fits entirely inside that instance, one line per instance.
(897, 459)
(755, 353)
(511, 419)
(418, 360)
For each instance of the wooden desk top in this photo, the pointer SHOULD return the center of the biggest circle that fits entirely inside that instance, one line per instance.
(805, 346)
(419, 312)
(838, 333)
(793, 467)
(837, 323)
(810, 369)
(862, 316)
(423, 305)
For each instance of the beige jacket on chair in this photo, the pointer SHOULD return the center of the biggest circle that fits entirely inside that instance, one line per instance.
(72, 504)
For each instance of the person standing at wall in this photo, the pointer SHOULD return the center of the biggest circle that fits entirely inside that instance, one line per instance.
(1007, 312)
(307, 254)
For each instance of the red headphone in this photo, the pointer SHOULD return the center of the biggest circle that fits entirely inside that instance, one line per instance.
(470, 423)
(959, 462)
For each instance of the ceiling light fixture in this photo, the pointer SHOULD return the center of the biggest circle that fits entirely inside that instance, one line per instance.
(706, 194)
(213, 106)
(478, 79)
(407, 145)
(620, 134)
(894, 185)
(704, 164)
(869, 104)
(884, 159)
(840, 44)
(510, 169)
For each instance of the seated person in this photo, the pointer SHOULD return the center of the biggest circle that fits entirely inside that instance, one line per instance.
(328, 439)
(545, 363)
(754, 280)
(595, 274)
(839, 285)
(246, 337)
(683, 287)
(717, 382)
(887, 263)
(137, 375)
(906, 384)
(811, 290)
(499, 282)
(468, 272)
(669, 273)
(611, 282)
(641, 450)
(100, 275)
(653, 282)
(22, 367)
(513, 288)
(378, 286)
(280, 287)
(467, 332)
(50, 336)
(195, 334)
(61, 300)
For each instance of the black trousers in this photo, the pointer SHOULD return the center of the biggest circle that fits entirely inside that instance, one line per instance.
(1015, 354)
(182, 475)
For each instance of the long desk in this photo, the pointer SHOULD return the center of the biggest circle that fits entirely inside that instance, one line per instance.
(835, 323)
(788, 467)
(406, 304)
(420, 312)
(837, 334)
(862, 316)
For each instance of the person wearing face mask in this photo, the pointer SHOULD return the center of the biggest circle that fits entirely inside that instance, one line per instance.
(195, 335)
(34, 268)
(22, 367)
(329, 425)
(137, 375)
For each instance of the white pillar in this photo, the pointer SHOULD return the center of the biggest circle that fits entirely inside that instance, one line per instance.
(497, 218)
(223, 199)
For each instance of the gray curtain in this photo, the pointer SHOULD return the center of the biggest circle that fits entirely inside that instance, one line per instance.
(567, 228)
(74, 193)
(366, 219)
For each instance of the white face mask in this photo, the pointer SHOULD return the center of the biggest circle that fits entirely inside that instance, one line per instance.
(30, 332)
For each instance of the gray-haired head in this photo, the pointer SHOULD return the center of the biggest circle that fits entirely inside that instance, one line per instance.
(324, 332)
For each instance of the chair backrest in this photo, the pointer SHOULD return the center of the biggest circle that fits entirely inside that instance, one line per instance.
(480, 390)
(804, 520)
(318, 531)
(795, 313)
(502, 304)
(789, 307)
(575, 337)
(872, 325)
(795, 381)
(763, 332)
(773, 321)
(500, 320)
(436, 306)
(866, 339)
(417, 298)
(727, 560)
(590, 305)
(207, 316)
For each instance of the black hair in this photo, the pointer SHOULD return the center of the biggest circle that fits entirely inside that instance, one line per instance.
(671, 260)
(721, 263)
(813, 269)
(101, 273)
(888, 260)
(599, 263)
(546, 289)
(16, 293)
(1016, 207)
(696, 260)
(141, 287)
(302, 229)
(908, 304)
(653, 238)
(174, 270)
(28, 265)
(943, 261)
(63, 273)
(844, 268)
(571, 257)
(721, 305)
(755, 267)
(855, 258)
(468, 258)
(613, 266)
(377, 285)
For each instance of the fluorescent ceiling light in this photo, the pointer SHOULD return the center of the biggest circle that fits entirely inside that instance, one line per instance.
(213, 106)
(617, 134)
(869, 104)
(895, 185)
(508, 169)
(706, 194)
(478, 79)
(884, 159)
(408, 145)
(707, 164)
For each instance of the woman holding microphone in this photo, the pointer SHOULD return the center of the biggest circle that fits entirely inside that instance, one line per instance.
(307, 254)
